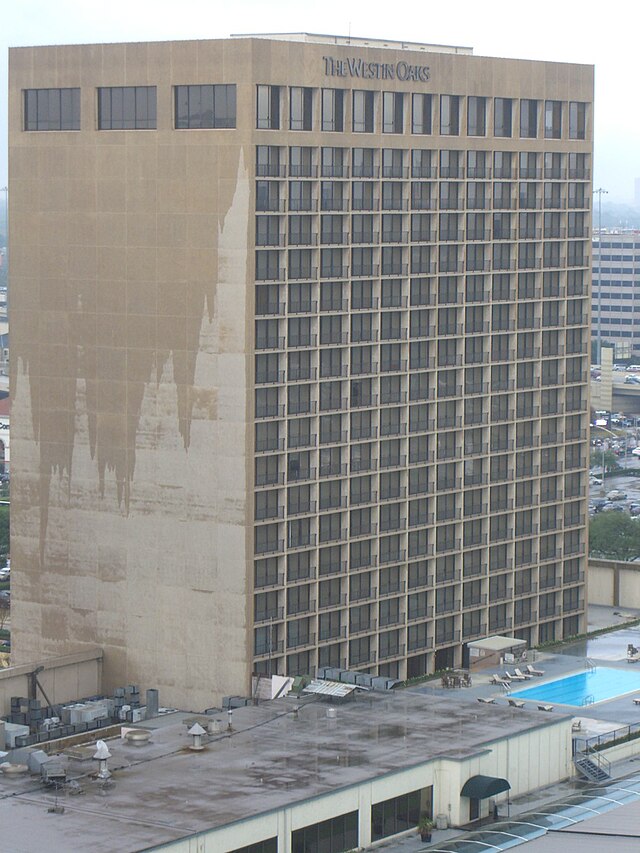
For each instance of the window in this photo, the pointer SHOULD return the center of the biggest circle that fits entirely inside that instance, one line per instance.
(449, 115)
(333, 110)
(127, 108)
(400, 814)
(528, 118)
(392, 112)
(205, 106)
(577, 120)
(267, 159)
(476, 116)
(502, 117)
(268, 108)
(553, 119)
(421, 109)
(301, 162)
(363, 104)
(300, 230)
(267, 195)
(300, 108)
(52, 109)
(364, 163)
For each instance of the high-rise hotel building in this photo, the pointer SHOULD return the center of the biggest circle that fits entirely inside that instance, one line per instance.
(300, 342)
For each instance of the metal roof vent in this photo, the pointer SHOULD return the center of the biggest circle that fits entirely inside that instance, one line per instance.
(137, 737)
(196, 731)
(102, 755)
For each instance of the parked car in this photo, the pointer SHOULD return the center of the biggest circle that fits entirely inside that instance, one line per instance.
(635, 451)
(616, 495)
(5, 574)
(595, 481)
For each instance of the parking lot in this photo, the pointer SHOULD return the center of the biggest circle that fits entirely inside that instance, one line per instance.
(627, 483)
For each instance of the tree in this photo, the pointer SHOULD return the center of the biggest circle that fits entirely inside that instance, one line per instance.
(614, 536)
(610, 460)
(4, 532)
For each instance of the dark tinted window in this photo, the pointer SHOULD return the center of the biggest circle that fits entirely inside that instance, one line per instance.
(52, 109)
(205, 106)
(127, 108)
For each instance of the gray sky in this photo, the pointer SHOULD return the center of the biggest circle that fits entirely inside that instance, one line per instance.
(559, 30)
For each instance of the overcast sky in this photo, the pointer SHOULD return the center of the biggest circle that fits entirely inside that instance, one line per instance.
(559, 30)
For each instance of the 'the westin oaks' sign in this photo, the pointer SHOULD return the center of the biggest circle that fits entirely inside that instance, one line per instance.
(356, 67)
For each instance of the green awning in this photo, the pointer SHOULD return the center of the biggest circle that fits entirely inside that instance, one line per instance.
(481, 787)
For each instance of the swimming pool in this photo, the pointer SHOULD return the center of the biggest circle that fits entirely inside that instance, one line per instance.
(584, 688)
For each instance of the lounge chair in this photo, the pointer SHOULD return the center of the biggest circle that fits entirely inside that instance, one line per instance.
(514, 677)
(533, 671)
(636, 701)
(516, 703)
(576, 726)
(521, 674)
(633, 658)
(545, 707)
(488, 701)
(497, 679)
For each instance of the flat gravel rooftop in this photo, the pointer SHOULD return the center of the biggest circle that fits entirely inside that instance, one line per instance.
(162, 791)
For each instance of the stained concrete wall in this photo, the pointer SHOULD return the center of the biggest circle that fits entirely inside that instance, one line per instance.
(130, 267)
(64, 678)
(614, 583)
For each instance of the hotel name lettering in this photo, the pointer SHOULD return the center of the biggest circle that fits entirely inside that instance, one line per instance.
(355, 67)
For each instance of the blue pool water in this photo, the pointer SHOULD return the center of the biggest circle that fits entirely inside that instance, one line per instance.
(592, 686)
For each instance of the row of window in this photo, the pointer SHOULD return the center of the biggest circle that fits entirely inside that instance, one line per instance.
(214, 106)
(536, 118)
(474, 562)
(427, 291)
(337, 162)
(131, 108)
(361, 262)
(396, 642)
(420, 660)
(303, 230)
(340, 833)
(395, 548)
(344, 625)
(419, 195)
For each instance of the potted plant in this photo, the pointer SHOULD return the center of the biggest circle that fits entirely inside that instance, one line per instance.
(425, 827)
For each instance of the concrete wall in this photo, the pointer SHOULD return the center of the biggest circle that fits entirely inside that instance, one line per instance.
(129, 385)
(614, 584)
(64, 678)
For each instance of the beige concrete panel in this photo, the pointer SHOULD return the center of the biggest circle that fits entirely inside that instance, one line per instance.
(141, 230)
(171, 230)
(110, 160)
(110, 230)
(171, 162)
(140, 195)
(111, 196)
(82, 261)
(172, 196)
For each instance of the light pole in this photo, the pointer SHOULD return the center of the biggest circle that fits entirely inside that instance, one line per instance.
(599, 192)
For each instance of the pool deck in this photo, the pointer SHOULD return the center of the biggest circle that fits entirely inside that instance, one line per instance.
(608, 650)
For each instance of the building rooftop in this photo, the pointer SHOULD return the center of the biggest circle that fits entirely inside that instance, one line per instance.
(352, 41)
(162, 791)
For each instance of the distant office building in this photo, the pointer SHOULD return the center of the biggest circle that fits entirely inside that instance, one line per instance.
(300, 336)
(616, 290)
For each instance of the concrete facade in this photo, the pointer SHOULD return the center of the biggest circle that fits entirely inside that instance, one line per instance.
(616, 290)
(286, 398)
